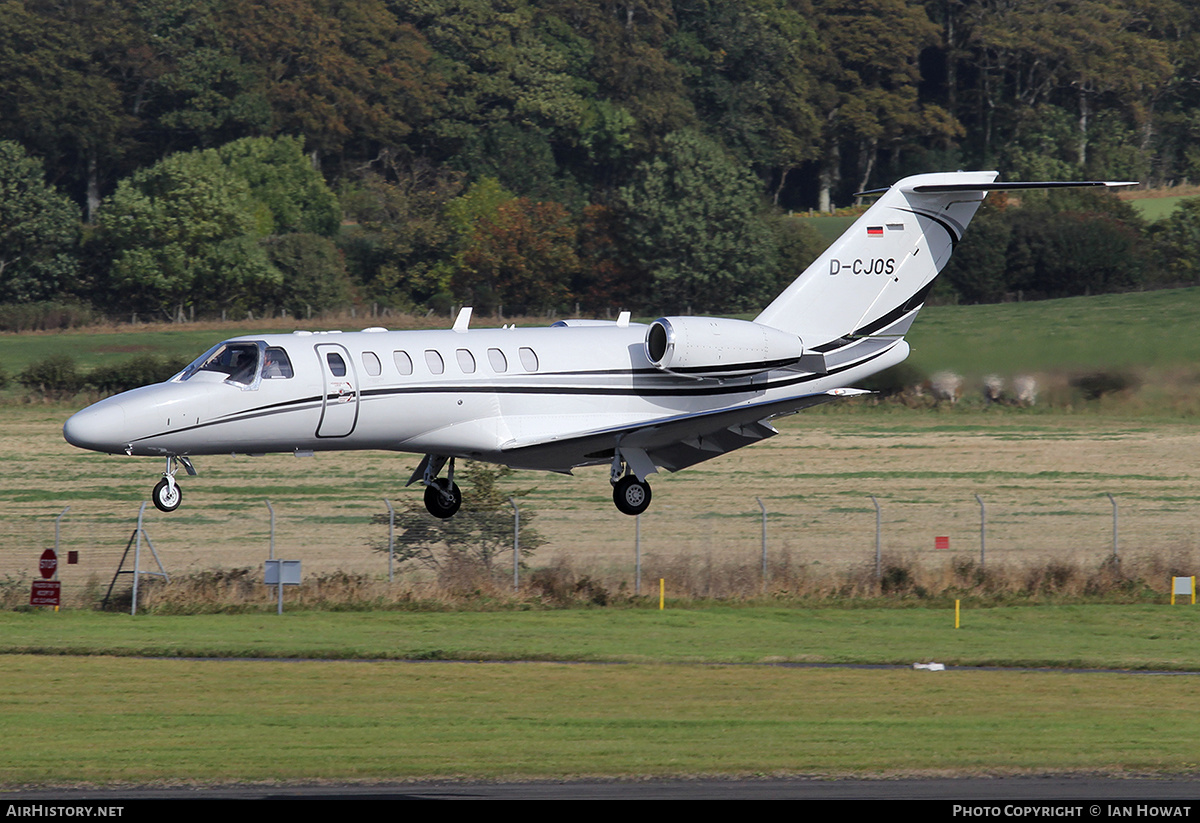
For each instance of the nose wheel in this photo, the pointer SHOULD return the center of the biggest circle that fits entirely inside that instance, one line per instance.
(631, 495)
(167, 495)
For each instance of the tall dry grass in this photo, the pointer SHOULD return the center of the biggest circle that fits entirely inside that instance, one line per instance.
(899, 581)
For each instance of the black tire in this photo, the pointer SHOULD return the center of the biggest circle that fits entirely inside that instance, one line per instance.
(631, 495)
(162, 498)
(436, 501)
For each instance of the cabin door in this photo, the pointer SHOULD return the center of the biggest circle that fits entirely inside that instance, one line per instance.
(339, 409)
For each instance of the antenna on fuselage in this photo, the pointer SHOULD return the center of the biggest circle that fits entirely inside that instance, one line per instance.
(463, 320)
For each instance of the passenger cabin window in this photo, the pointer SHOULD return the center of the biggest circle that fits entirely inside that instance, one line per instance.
(529, 360)
(466, 361)
(498, 361)
(371, 363)
(337, 366)
(403, 362)
(276, 365)
(434, 361)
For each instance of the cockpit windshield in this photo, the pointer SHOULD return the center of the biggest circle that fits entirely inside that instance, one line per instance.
(238, 362)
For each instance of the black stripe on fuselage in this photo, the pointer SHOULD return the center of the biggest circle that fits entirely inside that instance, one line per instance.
(631, 391)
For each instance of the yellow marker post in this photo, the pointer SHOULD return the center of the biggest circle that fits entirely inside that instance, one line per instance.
(956, 602)
(661, 593)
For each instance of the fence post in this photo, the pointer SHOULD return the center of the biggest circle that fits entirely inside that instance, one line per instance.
(516, 544)
(137, 561)
(982, 527)
(764, 544)
(637, 555)
(271, 509)
(878, 541)
(1116, 557)
(57, 520)
(391, 536)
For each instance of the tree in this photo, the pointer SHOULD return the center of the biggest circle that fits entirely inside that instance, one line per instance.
(60, 89)
(521, 258)
(1177, 239)
(692, 221)
(751, 80)
(868, 77)
(629, 63)
(606, 278)
(336, 73)
(403, 232)
(475, 539)
(313, 274)
(282, 179)
(39, 230)
(185, 232)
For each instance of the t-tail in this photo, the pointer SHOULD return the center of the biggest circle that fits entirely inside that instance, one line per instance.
(870, 284)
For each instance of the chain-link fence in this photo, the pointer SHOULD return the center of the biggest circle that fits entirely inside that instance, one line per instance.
(713, 552)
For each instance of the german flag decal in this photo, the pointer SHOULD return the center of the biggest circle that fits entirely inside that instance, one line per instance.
(874, 231)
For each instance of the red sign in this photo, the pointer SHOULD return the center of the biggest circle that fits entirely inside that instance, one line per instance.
(941, 542)
(49, 564)
(45, 593)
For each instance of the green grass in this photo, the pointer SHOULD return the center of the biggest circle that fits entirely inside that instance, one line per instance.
(1105, 331)
(1156, 208)
(115, 716)
(106, 719)
(1096, 636)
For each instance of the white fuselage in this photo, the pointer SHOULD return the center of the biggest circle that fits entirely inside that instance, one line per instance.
(473, 394)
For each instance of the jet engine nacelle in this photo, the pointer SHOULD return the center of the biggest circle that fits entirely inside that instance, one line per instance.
(719, 347)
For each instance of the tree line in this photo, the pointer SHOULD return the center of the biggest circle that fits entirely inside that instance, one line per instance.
(170, 157)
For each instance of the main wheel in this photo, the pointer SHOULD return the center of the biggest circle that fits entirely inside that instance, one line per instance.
(167, 496)
(441, 501)
(631, 495)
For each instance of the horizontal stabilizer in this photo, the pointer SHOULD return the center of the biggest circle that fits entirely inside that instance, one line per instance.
(1107, 184)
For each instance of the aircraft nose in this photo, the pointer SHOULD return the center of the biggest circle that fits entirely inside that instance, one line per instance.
(99, 427)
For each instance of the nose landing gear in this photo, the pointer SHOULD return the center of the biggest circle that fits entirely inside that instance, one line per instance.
(167, 495)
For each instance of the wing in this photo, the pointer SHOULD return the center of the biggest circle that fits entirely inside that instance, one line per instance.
(672, 443)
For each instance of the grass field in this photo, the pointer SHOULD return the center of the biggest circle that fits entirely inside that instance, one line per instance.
(102, 718)
(1136, 637)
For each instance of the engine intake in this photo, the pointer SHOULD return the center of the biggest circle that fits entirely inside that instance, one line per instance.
(719, 347)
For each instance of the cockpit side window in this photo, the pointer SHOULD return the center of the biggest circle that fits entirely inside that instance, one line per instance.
(276, 364)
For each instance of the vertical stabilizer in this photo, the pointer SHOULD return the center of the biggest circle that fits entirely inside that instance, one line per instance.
(875, 277)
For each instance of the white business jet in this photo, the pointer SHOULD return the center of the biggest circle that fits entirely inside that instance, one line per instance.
(577, 393)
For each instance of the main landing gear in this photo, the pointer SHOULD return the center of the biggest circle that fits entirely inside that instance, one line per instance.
(167, 495)
(631, 495)
(443, 498)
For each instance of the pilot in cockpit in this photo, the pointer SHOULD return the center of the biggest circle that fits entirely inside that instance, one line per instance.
(242, 367)
(276, 364)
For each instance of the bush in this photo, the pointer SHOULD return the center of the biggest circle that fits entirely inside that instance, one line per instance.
(56, 377)
(43, 315)
(142, 370)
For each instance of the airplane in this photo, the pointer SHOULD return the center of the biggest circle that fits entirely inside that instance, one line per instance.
(636, 397)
